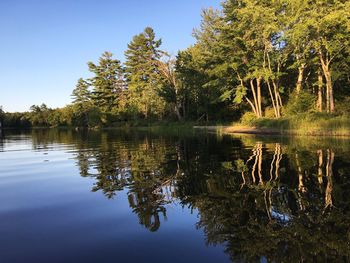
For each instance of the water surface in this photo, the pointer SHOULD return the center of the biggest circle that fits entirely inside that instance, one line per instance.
(114, 196)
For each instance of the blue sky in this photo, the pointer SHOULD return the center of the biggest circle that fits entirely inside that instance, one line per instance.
(45, 44)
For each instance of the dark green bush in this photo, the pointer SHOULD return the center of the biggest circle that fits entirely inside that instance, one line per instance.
(300, 103)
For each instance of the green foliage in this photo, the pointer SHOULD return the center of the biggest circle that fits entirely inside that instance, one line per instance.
(300, 103)
(271, 57)
(241, 92)
(227, 165)
(81, 94)
(241, 166)
(269, 113)
(344, 106)
(142, 74)
(16, 119)
(248, 118)
(307, 124)
(108, 83)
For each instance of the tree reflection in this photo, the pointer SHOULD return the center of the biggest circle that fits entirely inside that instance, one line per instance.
(2, 138)
(137, 167)
(281, 221)
(329, 175)
(282, 201)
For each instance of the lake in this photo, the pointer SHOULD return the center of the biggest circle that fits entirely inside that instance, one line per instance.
(171, 196)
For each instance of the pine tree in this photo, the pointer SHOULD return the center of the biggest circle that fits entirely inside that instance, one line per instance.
(82, 102)
(108, 82)
(143, 75)
(81, 93)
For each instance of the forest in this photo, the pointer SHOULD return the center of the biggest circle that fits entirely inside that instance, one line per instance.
(252, 62)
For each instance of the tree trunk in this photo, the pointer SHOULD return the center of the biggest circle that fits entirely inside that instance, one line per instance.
(272, 98)
(252, 106)
(277, 98)
(258, 86)
(177, 112)
(300, 78)
(320, 92)
(331, 96)
(329, 85)
(256, 105)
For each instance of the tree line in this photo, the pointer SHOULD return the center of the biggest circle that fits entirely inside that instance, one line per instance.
(251, 60)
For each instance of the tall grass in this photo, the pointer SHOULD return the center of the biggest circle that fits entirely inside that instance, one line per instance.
(306, 124)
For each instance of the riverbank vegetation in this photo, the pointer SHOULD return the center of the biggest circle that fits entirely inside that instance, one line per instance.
(300, 124)
(277, 64)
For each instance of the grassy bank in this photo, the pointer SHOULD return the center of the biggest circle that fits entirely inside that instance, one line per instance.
(301, 124)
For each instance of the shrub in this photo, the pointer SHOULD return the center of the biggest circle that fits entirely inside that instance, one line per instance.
(343, 107)
(300, 103)
(269, 113)
(248, 118)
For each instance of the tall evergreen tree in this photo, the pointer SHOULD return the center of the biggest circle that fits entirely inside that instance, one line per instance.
(82, 102)
(108, 82)
(81, 94)
(142, 58)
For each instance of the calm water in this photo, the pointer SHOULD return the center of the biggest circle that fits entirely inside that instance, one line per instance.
(156, 197)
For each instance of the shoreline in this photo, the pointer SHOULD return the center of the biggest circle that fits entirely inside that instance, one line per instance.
(252, 130)
(224, 129)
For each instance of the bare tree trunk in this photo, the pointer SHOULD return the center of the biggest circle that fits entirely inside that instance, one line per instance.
(277, 99)
(329, 84)
(256, 103)
(300, 78)
(257, 106)
(252, 106)
(167, 69)
(330, 92)
(258, 86)
(320, 92)
(272, 98)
